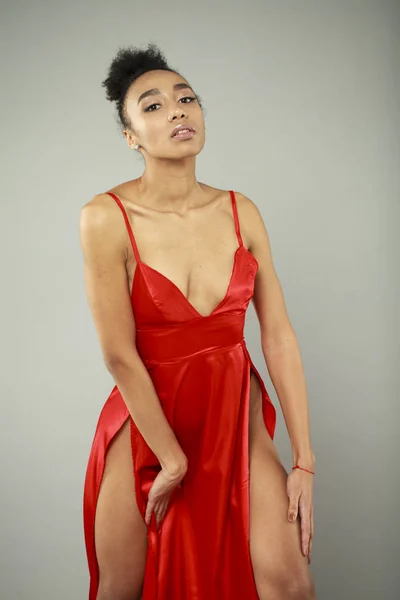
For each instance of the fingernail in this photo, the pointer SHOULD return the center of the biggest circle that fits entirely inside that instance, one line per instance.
(292, 517)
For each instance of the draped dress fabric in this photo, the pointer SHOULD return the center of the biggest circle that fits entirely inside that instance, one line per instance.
(200, 367)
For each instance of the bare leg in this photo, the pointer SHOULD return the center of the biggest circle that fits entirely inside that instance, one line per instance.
(280, 569)
(120, 532)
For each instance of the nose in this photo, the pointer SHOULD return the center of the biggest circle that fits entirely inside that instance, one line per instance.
(177, 113)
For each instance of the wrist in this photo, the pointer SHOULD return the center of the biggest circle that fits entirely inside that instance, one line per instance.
(304, 459)
(176, 471)
(175, 465)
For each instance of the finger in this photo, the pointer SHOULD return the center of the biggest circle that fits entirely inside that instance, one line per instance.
(159, 513)
(163, 509)
(149, 510)
(311, 530)
(305, 527)
(293, 507)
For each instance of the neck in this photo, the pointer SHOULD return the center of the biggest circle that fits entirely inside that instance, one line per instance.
(169, 185)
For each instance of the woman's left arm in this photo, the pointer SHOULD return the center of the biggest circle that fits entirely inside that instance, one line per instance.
(282, 356)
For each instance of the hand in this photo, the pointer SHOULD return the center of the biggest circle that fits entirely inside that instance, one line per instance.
(299, 488)
(160, 493)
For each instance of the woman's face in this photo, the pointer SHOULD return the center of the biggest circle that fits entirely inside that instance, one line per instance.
(156, 103)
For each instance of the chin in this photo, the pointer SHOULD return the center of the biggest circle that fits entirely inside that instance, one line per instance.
(187, 150)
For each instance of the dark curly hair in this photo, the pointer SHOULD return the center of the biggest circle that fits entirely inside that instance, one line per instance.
(128, 64)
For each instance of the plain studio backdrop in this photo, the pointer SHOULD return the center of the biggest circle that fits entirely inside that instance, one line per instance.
(301, 102)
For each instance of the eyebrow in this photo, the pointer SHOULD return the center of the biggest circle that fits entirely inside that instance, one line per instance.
(154, 91)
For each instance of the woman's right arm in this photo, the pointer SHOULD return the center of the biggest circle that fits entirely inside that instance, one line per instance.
(104, 244)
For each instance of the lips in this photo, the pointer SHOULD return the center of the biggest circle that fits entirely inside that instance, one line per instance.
(181, 129)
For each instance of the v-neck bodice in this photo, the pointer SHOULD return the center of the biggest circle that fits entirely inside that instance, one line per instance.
(155, 298)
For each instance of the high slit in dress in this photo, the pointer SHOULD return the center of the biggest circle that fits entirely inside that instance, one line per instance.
(200, 367)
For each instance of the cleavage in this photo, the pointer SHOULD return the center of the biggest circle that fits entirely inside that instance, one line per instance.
(213, 284)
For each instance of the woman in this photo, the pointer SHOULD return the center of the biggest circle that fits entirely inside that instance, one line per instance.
(185, 495)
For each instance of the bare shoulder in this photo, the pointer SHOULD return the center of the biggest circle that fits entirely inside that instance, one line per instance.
(248, 208)
(252, 224)
(98, 211)
(101, 224)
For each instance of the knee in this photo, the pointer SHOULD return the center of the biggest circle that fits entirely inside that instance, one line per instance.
(294, 587)
(118, 589)
(298, 587)
(301, 589)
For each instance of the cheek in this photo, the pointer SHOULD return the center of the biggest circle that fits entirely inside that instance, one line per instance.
(200, 119)
(154, 130)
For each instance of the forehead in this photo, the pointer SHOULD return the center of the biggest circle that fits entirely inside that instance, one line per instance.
(156, 79)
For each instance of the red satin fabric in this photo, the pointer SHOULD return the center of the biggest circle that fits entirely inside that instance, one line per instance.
(200, 367)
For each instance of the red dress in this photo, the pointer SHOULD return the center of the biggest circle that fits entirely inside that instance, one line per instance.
(200, 367)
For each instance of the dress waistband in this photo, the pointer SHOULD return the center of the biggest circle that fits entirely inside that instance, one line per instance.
(175, 342)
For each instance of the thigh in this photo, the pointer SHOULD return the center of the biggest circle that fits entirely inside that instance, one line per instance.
(120, 532)
(280, 569)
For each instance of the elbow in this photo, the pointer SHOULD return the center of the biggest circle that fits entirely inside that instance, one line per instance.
(117, 361)
(279, 337)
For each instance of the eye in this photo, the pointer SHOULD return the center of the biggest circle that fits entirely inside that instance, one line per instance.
(150, 108)
(190, 98)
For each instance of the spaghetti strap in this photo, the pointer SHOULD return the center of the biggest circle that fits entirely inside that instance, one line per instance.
(128, 226)
(235, 217)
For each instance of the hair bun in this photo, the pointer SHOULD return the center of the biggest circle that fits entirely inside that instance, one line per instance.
(128, 64)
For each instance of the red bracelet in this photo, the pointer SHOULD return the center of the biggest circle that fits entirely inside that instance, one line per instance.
(297, 467)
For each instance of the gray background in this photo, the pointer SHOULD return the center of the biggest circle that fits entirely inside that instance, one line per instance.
(302, 116)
